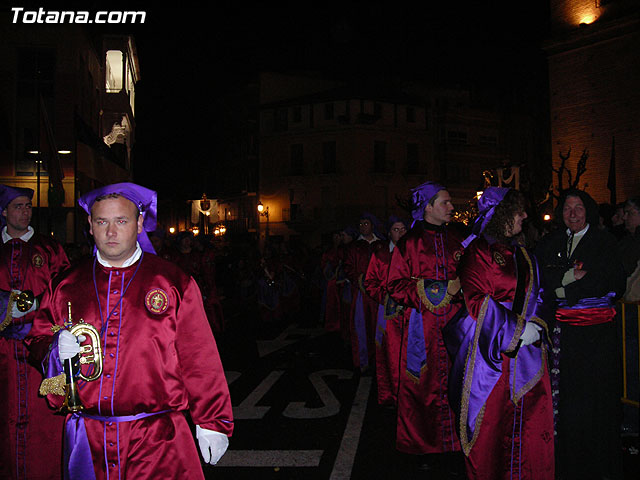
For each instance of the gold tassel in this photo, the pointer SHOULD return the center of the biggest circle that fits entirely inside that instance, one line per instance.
(54, 385)
(8, 317)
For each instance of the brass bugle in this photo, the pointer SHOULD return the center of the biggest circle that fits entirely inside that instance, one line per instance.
(90, 354)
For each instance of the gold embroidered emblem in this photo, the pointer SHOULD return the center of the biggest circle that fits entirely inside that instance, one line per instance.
(157, 301)
(37, 260)
(499, 259)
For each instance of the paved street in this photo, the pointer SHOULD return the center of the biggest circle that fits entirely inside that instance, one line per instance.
(301, 412)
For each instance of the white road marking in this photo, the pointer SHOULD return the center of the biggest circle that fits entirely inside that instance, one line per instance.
(331, 405)
(351, 437)
(271, 458)
(248, 409)
(291, 334)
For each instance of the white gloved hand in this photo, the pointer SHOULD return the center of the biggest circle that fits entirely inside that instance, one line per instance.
(68, 345)
(212, 444)
(531, 333)
(15, 313)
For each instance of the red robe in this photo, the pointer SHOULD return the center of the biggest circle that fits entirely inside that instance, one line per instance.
(346, 291)
(329, 266)
(159, 354)
(355, 268)
(31, 433)
(501, 451)
(425, 419)
(388, 349)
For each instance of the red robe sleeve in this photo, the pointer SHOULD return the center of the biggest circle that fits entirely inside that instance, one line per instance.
(375, 281)
(203, 375)
(400, 284)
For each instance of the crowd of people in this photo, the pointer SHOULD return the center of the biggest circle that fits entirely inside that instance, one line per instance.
(491, 343)
(494, 343)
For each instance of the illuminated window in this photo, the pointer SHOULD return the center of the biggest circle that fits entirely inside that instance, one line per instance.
(115, 73)
(120, 75)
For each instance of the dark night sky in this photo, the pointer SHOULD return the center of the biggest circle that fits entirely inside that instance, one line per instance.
(189, 54)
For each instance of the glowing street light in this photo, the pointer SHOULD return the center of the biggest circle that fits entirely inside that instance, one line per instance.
(263, 211)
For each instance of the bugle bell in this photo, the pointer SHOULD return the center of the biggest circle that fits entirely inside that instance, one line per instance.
(90, 354)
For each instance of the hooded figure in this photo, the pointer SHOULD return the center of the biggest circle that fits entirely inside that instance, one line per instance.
(423, 279)
(499, 382)
(28, 261)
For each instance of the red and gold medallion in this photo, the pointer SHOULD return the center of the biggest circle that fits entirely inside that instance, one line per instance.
(37, 260)
(156, 301)
(499, 259)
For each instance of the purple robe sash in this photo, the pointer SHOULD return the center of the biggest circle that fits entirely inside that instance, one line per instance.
(381, 326)
(416, 346)
(78, 462)
(361, 331)
(16, 331)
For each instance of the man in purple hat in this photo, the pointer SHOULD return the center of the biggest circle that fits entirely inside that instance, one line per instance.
(160, 356)
(31, 435)
(364, 309)
(390, 320)
(423, 277)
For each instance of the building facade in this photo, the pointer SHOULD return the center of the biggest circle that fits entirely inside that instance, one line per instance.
(327, 155)
(594, 73)
(67, 107)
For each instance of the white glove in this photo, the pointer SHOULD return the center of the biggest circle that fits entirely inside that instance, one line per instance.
(531, 333)
(15, 313)
(68, 345)
(212, 444)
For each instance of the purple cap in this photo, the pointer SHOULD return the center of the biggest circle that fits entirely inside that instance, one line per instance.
(420, 197)
(144, 199)
(8, 195)
(487, 203)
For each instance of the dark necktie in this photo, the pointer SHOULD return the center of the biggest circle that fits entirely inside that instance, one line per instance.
(569, 245)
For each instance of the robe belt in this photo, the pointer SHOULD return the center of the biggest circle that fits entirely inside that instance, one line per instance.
(588, 311)
(78, 462)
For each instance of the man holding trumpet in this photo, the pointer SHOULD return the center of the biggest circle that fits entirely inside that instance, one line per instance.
(31, 444)
(160, 359)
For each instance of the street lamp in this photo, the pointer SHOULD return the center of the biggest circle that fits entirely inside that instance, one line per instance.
(263, 211)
